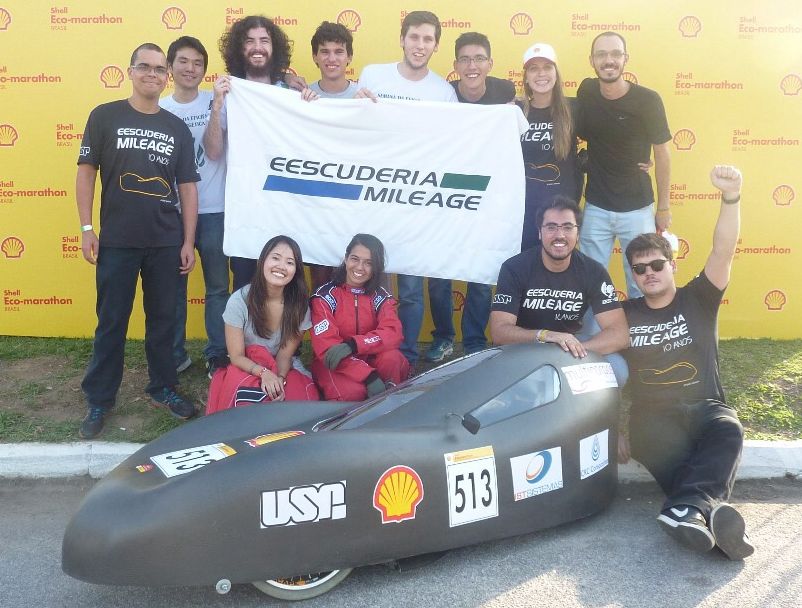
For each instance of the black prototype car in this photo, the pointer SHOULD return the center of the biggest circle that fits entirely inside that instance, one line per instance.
(500, 443)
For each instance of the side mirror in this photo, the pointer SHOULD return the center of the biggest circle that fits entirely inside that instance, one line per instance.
(471, 423)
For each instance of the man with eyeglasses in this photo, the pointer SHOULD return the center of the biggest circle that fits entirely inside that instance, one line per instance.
(680, 427)
(144, 154)
(623, 123)
(543, 293)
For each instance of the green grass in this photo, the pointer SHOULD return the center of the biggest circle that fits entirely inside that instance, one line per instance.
(762, 380)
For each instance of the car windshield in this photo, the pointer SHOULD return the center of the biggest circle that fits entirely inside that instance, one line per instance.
(387, 402)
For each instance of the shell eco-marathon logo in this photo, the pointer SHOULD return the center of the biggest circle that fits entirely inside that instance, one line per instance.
(581, 24)
(743, 139)
(350, 19)
(8, 136)
(174, 18)
(5, 19)
(13, 300)
(783, 195)
(398, 493)
(521, 24)
(775, 300)
(111, 76)
(12, 247)
(60, 18)
(791, 84)
(690, 26)
(684, 140)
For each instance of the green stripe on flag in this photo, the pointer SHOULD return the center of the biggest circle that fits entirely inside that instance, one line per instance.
(461, 181)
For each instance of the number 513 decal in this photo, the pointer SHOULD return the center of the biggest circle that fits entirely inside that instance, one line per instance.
(472, 489)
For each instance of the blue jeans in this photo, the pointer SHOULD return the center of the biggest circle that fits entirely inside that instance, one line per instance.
(209, 243)
(242, 269)
(600, 229)
(118, 269)
(475, 315)
(410, 311)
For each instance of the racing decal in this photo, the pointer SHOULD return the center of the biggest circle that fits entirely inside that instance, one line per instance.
(271, 437)
(302, 504)
(187, 460)
(144, 468)
(398, 493)
(589, 377)
(321, 327)
(537, 473)
(593, 454)
(472, 488)
(501, 298)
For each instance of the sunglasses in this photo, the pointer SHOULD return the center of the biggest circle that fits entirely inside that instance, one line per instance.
(656, 265)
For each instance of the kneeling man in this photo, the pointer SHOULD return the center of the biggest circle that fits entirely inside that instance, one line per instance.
(680, 427)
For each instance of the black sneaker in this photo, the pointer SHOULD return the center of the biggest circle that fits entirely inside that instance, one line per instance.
(179, 406)
(729, 530)
(216, 362)
(687, 525)
(92, 424)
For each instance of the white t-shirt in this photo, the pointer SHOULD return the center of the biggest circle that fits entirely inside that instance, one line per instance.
(384, 80)
(348, 93)
(212, 187)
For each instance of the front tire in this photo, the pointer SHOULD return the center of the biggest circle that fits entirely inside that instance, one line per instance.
(304, 586)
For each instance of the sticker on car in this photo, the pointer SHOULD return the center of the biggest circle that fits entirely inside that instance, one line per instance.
(398, 493)
(271, 437)
(593, 454)
(472, 485)
(187, 460)
(536, 473)
(303, 504)
(589, 377)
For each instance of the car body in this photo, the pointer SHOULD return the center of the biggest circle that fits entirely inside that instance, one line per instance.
(504, 442)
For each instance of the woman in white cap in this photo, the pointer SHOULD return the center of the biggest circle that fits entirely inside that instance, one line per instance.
(549, 146)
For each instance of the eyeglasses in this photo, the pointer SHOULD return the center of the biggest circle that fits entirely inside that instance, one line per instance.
(616, 54)
(656, 265)
(478, 60)
(552, 228)
(144, 68)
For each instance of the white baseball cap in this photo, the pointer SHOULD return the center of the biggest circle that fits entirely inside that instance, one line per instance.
(540, 49)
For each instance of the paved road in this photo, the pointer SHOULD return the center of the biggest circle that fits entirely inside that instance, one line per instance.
(618, 558)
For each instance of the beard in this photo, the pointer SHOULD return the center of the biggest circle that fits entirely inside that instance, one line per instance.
(260, 71)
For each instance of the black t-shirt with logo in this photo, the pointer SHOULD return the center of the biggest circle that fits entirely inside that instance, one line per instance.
(556, 301)
(620, 134)
(673, 353)
(497, 91)
(141, 157)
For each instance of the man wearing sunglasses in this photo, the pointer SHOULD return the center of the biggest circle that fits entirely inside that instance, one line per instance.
(681, 428)
(543, 293)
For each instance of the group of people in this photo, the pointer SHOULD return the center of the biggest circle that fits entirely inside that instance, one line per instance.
(162, 197)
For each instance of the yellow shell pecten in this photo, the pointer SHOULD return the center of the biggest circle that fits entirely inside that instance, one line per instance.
(783, 195)
(684, 139)
(8, 135)
(629, 76)
(398, 493)
(111, 76)
(521, 24)
(690, 26)
(791, 84)
(350, 19)
(683, 250)
(775, 300)
(12, 247)
(457, 300)
(174, 18)
(5, 19)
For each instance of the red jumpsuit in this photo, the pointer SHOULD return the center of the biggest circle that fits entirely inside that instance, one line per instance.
(369, 322)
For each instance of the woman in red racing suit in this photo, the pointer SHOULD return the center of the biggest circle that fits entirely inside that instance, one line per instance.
(356, 332)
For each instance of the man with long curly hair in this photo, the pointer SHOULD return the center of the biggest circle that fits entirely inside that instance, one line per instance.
(255, 49)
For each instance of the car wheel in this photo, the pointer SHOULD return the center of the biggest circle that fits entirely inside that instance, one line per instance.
(304, 586)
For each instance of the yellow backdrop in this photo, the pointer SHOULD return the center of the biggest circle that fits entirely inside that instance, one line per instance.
(728, 72)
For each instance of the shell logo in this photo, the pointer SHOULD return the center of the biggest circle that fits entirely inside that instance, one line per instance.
(783, 195)
(5, 19)
(791, 85)
(452, 76)
(521, 24)
(174, 18)
(12, 247)
(112, 77)
(398, 493)
(457, 300)
(683, 250)
(350, 19)
(690, 26)
(775, 300)
(8, 135)
(630, 77)
(620, 295)
(684, 139)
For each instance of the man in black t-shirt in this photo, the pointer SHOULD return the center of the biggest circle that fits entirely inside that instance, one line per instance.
(143, 154)
(543, 293)
(681, 429)
(623, 123)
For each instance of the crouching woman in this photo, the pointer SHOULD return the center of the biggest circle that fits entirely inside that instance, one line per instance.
(356, 332)
(264, 324)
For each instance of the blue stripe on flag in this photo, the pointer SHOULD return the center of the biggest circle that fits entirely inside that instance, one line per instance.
(310, 187)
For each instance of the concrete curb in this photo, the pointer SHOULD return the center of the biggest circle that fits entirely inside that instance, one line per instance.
(760, 460)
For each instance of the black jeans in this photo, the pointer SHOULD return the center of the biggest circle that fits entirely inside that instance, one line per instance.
(118, 269)
(691, 449)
